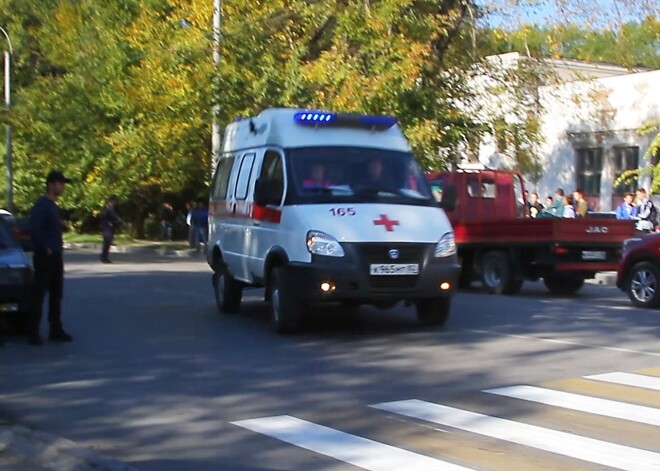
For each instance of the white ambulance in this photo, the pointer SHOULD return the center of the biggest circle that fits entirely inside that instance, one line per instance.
(321, 207)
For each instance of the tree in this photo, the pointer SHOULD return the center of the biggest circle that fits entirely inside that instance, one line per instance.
(125, 114)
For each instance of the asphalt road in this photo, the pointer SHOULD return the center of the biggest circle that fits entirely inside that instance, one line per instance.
(158, 378)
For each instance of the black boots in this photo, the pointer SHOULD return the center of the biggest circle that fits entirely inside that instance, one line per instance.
(58, 334)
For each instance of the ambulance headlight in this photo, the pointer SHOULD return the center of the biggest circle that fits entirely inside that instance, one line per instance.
(320, 243)
(446, 247)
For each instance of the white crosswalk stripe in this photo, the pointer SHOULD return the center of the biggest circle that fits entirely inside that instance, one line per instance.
(562, 443)
(460, 447)
(629, 379)
(592, 405)
(358, 451)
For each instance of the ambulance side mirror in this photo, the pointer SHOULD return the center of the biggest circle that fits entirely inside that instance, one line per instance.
(263, 192)
(448, 202)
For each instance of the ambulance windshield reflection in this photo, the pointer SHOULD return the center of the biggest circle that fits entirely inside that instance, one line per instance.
(350, 174)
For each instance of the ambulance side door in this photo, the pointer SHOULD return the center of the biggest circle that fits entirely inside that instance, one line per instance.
(267, 230)
(238, 223)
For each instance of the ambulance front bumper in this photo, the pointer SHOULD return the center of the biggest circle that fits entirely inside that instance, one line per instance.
(332, 281)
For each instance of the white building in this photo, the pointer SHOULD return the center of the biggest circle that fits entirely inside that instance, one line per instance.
(590, 128)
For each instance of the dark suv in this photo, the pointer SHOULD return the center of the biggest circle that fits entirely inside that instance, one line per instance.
(638, 273)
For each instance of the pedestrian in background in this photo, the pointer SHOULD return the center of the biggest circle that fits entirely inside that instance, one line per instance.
(167, 217)
(581, 205)
(200, 224)
(48, 264)
(549, 202)
(534, 205)
(189, 211)
(110, 221)
(557, 208)
(626, 210)
(569, 210)
(646, 213)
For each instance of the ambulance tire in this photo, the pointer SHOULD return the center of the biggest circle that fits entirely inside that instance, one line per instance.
(563, 285)
(228, 291)
(286, 311)
(434, 311)
(498, 274)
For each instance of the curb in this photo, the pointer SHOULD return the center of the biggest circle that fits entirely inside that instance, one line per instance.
(48, 452)
(606, 278)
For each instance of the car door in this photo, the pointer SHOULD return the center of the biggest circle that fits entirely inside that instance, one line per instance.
(267, 230)
(235, 218)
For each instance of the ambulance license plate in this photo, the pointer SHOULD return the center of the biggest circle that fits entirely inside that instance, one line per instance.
(385, 269)
(593, 255)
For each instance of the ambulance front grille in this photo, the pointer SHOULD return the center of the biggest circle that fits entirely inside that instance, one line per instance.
(380, 253)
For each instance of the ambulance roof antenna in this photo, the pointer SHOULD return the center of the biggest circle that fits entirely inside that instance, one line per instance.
(253, 127)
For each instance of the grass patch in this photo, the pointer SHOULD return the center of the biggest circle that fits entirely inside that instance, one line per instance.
(75, 238)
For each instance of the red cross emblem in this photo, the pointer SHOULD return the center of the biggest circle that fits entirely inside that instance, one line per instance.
(388, 223)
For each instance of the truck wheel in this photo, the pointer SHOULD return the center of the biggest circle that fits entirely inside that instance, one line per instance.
(642, 285)
(497, 274)
(286, 311)
(434, 311)
(563, 285)
(228, 291)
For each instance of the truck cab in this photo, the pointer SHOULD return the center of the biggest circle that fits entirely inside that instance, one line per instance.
(322, 207)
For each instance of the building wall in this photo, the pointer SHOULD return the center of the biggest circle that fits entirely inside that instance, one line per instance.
(603, 113)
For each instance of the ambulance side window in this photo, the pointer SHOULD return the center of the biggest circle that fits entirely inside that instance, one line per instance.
(244, 176)
(273, 170)
(221, 182)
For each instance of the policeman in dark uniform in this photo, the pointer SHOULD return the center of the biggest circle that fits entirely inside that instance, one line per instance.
(46, 231)
(109, 223)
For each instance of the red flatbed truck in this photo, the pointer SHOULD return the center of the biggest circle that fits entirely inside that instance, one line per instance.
(500, 245)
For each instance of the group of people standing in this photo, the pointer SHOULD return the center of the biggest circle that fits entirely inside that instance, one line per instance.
(637, 207)
(640, 208)
(561, 205)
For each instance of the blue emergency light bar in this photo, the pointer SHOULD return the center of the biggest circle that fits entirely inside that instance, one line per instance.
(322, 118)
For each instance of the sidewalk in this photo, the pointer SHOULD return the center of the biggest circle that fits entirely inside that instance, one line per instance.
(23, 449)
(166, 249)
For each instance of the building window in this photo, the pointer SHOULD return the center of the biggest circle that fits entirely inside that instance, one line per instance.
(625, 158)
(589, 165)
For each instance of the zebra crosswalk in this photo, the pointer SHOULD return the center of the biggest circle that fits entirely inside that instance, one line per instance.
(545, 427)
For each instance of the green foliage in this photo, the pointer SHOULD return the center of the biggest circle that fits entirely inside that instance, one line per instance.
(631, 44)
(120, 94)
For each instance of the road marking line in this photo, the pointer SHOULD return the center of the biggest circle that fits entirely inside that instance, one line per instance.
(553, 441)
(562, 342)
(592, 405)
(629, 379)
(358, 451)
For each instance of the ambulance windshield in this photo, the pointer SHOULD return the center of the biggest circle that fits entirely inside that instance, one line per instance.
(357, 174)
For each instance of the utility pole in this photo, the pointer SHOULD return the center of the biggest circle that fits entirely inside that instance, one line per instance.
(10, 173)
(215, 131)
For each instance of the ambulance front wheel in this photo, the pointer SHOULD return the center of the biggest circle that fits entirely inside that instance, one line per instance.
(228, 291)
(286, 311)
(434, 311)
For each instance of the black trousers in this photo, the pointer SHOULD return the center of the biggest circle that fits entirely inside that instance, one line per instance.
(108, 237)
(48, 277)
